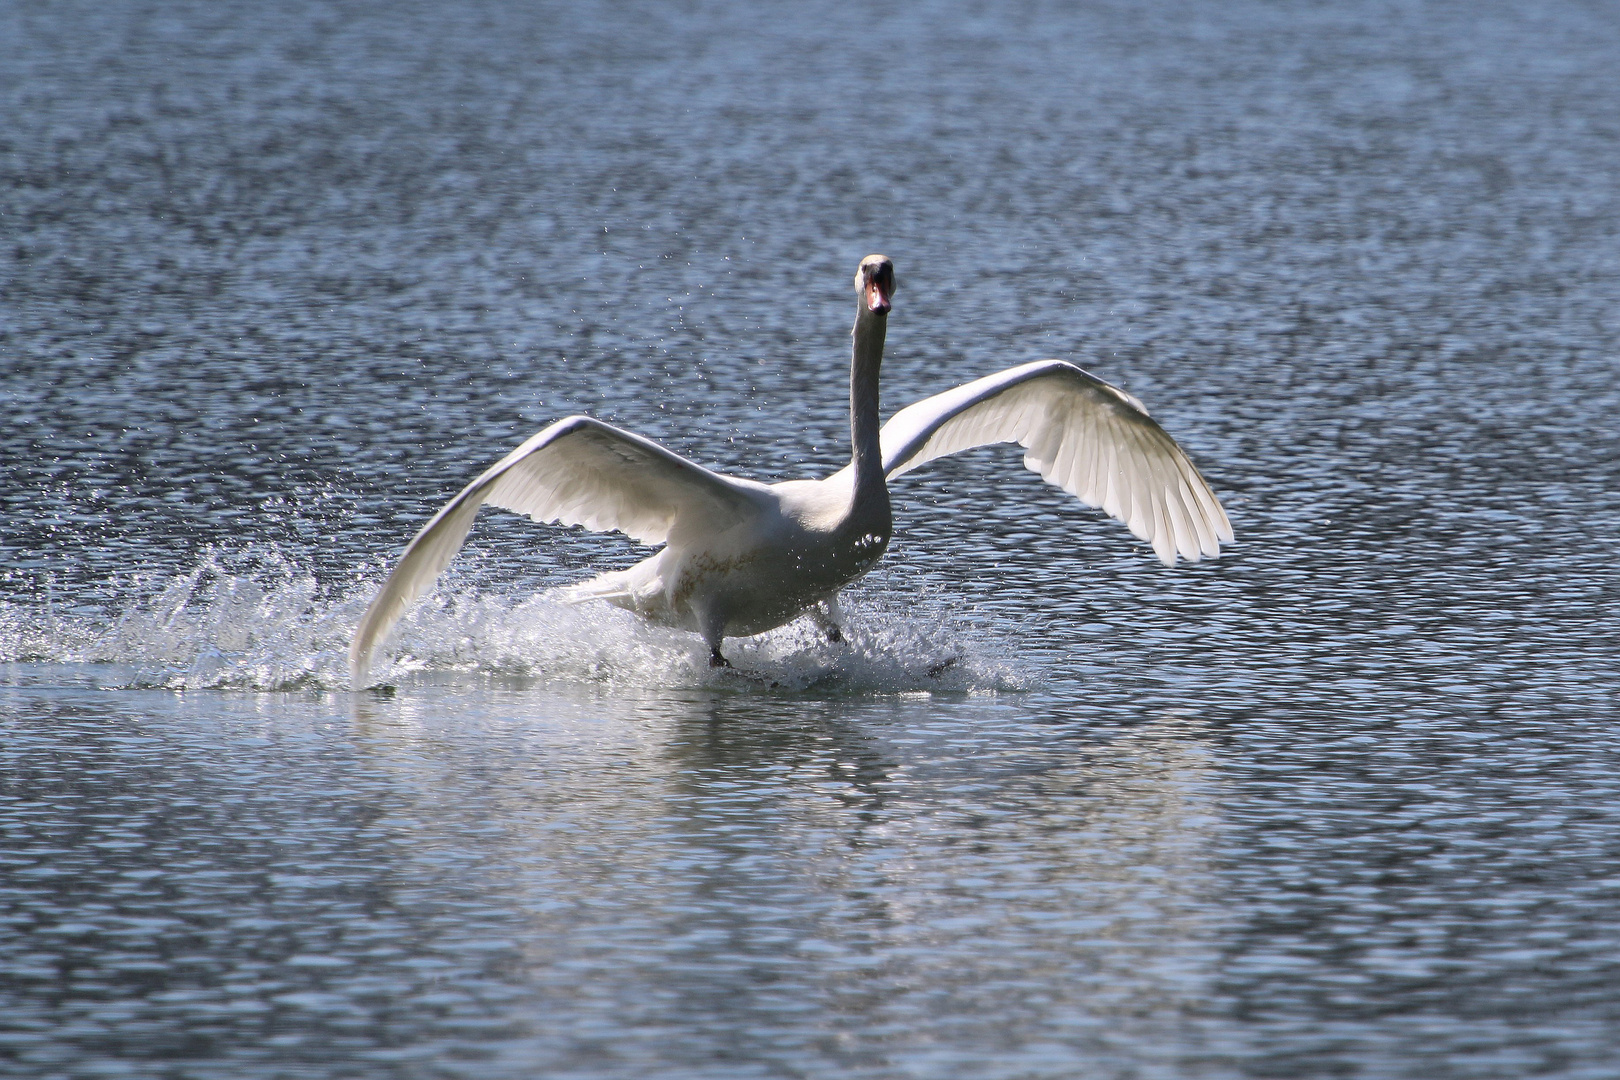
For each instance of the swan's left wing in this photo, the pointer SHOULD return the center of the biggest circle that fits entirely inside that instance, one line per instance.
(1091, 439)
(578, 471)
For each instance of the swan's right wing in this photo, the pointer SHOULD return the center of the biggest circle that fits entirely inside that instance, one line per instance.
(1091, 439)
(578, 471)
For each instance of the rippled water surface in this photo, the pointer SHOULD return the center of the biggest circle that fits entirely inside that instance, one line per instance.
(277, 279)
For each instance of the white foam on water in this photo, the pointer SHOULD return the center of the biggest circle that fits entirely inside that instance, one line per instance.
(254, 621)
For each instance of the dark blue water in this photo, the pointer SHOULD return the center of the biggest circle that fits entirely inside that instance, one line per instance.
(276, 280)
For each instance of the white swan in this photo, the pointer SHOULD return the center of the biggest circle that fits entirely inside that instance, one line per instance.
(741, 557)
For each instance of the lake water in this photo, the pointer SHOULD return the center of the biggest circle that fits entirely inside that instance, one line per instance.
(277, 279)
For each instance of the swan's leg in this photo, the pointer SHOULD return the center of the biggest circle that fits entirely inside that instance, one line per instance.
(711, 624)
(828, 615)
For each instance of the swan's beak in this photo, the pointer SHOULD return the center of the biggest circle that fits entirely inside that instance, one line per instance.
(877, 298)
(875, 282)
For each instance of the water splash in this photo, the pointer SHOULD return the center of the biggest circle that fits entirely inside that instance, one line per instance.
(255, 621)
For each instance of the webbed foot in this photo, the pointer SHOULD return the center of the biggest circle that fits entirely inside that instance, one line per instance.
(828, 615)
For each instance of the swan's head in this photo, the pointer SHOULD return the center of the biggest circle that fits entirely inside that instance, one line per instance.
(875, 282)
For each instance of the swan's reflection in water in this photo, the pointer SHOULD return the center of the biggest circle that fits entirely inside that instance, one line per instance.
(798, 882)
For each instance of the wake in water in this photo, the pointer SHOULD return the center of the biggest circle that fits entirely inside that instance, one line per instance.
(257, 622)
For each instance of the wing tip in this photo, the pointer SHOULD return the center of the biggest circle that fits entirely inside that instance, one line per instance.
(1195, 551)
(359, 673)
(360, 650)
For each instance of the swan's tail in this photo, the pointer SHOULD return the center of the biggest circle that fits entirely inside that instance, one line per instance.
(615, 587)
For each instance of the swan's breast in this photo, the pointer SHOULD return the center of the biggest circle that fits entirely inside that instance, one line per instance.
(815, 507)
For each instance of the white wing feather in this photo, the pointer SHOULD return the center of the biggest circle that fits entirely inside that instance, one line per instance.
(1091, 439)
(578, 471)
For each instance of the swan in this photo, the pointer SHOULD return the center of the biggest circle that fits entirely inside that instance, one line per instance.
(741, 557)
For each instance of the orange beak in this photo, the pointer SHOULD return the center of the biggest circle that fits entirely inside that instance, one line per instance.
(877, 297)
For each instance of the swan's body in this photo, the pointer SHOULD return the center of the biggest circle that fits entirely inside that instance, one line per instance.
(741, 557)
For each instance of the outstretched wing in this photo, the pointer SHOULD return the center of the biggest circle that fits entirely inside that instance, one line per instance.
(578, 471)
(1091, 439)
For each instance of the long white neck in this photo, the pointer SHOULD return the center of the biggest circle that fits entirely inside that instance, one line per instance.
(871, 490)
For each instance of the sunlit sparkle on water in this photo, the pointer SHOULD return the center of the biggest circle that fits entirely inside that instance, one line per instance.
(275, 281)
